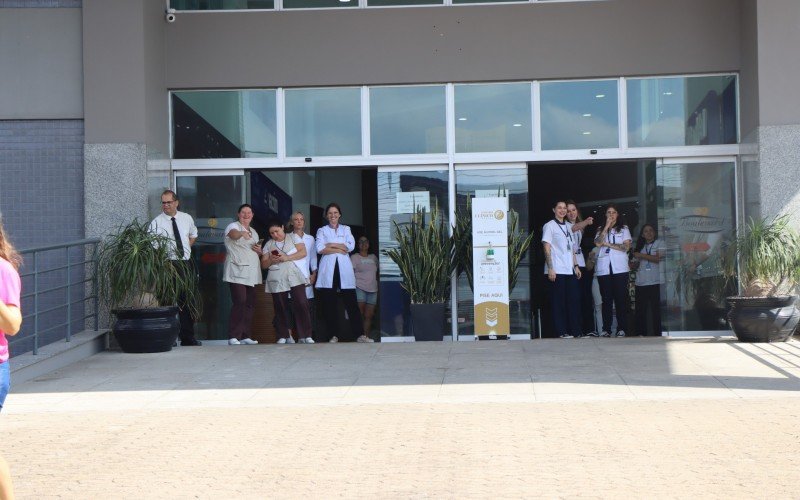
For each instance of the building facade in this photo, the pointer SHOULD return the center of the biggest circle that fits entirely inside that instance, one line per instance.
(682, 112)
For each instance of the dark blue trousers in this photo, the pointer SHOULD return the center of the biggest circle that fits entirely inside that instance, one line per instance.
(566, 296)
(614, 289)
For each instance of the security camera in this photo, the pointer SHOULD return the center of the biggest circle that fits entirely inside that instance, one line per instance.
(170, 17)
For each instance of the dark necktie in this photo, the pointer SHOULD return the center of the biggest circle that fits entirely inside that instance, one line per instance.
(178, 241)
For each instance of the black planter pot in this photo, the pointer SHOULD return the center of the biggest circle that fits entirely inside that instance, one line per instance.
(146, 330)
(427, 321)
(768, 319)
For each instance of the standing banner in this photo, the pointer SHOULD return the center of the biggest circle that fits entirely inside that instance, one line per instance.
(490, 266)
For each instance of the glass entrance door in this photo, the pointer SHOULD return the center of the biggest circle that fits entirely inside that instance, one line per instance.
(696, 201)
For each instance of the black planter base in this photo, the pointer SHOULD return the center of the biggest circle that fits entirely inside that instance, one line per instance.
(768, 319)
(427, 322)
(146, 330)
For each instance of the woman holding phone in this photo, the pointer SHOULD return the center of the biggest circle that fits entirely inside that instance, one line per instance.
(335, 274)
(612, 270)
(242, 272)
(284, 254)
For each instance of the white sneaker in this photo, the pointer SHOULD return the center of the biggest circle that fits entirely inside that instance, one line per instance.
(307, 340)
(334, 340)
(233, 341)
(364, 339)
(620, 333)
(566, 336)
(281, 341)
(249, 341)
(605, 334)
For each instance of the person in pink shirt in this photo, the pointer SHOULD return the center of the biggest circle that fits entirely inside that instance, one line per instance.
(10, 322)
(365, 267)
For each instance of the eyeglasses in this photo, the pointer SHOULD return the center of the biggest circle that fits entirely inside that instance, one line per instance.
(168, 202)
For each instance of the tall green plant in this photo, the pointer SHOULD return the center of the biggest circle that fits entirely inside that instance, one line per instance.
(518, 244)
(133, 267)
(425, 256)
(765, 258)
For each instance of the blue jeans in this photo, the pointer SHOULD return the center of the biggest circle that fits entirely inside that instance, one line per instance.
(5, 382)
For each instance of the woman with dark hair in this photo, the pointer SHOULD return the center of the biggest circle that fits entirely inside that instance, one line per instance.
(335, 274)
(586, 309)
(10, 322)
(284, 254)
(242, 272)
(612, 270)
(648, 254)
(563, 273)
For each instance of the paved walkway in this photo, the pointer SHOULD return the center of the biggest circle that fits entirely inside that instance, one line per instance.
(635, 417)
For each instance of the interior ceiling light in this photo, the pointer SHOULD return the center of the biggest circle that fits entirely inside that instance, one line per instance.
(462, 119)
(587, 115)
(587, 133)
(667, 93)
(600, 96)
(517, 125)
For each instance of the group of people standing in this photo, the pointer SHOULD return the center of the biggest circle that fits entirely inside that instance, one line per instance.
(298, 265)
(582, 304)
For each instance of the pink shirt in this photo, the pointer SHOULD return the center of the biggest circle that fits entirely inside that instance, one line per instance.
(366, 270)
(9, 295)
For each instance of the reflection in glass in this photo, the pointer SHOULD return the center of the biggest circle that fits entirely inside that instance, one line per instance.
(493, 117)
(487, 182)
(407, 120)
(696, 219)
(212, 202)
(579, 115)
(221, 4)
(682, 111)
(487, 1)
(224, 124)
(323, 122)
(318, 4)
(394, 189)
(385, 3)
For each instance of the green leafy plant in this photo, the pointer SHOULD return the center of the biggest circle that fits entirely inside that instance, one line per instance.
(518, 244)
(134, 271)
(765, 257)
(426, 256)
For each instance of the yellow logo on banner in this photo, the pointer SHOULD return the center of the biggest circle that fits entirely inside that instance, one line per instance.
(499, 214)
(491, 318)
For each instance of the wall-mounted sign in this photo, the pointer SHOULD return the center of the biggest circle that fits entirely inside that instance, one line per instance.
(490, 266)
(410, 202)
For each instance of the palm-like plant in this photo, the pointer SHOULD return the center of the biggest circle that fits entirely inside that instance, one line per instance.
(765, 258)
(133, 268)
(425, 256)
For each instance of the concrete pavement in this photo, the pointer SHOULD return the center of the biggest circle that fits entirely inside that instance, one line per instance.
(639, 417)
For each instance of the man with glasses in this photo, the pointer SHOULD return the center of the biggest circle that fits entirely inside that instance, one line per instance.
(180, 228)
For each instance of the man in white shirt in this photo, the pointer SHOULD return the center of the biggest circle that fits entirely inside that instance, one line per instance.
(169, 222)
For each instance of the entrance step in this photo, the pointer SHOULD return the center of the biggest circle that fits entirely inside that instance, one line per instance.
(58, 355)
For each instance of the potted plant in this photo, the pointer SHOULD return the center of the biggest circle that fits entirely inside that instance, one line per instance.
(425, 257)
(766, 260)
(139, 284)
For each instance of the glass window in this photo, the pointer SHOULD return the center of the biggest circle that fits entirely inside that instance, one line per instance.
(323, 122)
(397, 193)
(318, 4)
(456, 2)
(579, 115)
(387, 3)
(221, 4)
(407, 120)
(225, 124)
(487, 182)
(682, 111)
(493, 117)
(696, 219)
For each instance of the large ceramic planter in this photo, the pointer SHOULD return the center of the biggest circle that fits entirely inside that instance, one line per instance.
(427, 321)
(768, 319)
(146, 330)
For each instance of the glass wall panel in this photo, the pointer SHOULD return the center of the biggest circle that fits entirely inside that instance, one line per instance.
(224, 124)
(221, 4)
(318, 4)
(682, 111)
(407, 120)
(398, 192)
(493, 117)
(212, 202)
(388, 3)
(696, 219)
(488, 182)
(323, 122)
(579, 115)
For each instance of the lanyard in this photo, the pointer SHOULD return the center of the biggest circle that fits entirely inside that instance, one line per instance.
(565, 233)
(649, 251)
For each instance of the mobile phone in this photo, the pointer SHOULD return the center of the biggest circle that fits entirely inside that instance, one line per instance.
(260, 242)
(275, 253)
